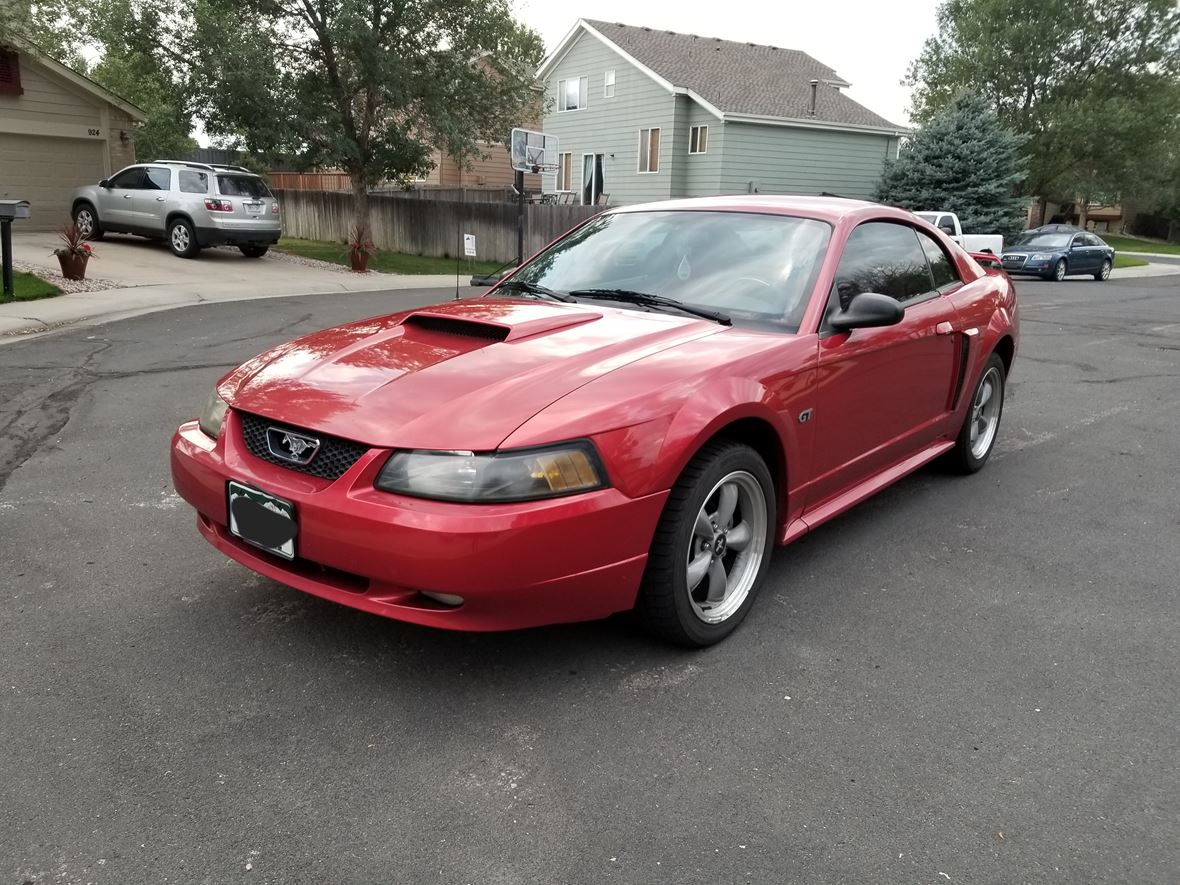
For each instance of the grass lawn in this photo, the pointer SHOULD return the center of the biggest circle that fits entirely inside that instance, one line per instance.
(386, 262)
(1128, 260)
(1129, 244)
(30, 288)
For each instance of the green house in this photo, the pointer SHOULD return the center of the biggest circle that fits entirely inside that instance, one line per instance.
(642, 114)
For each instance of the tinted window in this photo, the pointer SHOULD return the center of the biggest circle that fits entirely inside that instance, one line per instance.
(158, 179)
(941, 268)
(193, 182)
(241, 186)
(1043, 241)
(884, 258)
(1092, 240)
(760, 268)
(128, 178)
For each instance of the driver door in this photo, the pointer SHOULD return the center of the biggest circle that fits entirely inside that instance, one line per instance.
(116, 201)
(883, 394)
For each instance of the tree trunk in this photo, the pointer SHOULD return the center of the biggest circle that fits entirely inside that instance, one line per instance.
(1084, 213)
(360, 205)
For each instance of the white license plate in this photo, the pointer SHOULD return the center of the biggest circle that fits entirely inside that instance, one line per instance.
(261, 519)
(253, 208)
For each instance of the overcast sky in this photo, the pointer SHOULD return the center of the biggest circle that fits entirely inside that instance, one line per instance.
(869, 43)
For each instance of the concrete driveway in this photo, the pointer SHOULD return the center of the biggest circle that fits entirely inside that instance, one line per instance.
(130, 276)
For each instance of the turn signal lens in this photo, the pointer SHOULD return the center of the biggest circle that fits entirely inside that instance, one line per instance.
(213, 415)
(569, 471)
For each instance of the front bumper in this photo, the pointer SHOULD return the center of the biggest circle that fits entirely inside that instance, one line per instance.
(515, 565)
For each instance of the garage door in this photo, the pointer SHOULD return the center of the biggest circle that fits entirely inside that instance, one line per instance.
(45, 170)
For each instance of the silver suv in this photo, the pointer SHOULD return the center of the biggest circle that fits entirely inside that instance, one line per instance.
(188, 205)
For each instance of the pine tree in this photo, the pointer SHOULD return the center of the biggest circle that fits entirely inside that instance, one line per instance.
(962, 161)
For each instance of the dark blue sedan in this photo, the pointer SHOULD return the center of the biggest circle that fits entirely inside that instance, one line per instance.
(1057, 251)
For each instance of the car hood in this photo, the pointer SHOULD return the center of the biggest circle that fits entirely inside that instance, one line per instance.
(461, 375)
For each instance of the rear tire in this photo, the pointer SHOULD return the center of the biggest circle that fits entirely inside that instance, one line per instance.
(1103, 272)
(253, 251)
(981, 426)
(182, 239)
(711, 548)
(86, 220)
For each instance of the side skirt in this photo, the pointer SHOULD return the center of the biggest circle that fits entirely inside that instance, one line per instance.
(833, 507)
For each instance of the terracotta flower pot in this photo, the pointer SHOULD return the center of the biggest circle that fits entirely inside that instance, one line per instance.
(73, 267)
(359, 260)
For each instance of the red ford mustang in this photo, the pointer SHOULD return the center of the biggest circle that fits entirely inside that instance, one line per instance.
(632, 420)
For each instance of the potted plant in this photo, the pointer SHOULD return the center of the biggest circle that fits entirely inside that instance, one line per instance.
(359, 249)
(74, 252)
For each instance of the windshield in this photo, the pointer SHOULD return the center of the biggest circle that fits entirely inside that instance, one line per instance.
(759, 268)
(241, 186)
(1044, 241)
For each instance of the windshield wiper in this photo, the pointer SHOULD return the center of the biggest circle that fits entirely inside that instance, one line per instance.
(649, 300)
(533, 289)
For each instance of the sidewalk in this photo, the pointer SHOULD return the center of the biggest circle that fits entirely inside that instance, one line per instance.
(146, 278)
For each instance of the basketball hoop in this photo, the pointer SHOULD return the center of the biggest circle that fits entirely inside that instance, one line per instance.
(533, 152)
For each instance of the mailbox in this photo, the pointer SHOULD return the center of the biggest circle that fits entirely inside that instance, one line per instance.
(12, 209)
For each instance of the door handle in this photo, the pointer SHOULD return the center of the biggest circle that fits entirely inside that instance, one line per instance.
(161, 199)
(944, 328)
(126, 196)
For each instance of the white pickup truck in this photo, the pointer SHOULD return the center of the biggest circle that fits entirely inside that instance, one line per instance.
(948, 223)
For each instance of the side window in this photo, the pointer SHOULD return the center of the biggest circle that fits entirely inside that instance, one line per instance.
(1092, 240)
(193, 182)
(941, 268)
(1078, 240)
(159, 178)
(130, 179)
(886, 258)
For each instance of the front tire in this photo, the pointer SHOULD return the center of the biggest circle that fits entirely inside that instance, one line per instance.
(253, 251)
(977, 437)
(86, 220)
(1058, 272)
(182, 239)
(711, 548)
(1103, 272)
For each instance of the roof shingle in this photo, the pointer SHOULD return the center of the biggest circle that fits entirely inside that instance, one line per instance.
(742, 78)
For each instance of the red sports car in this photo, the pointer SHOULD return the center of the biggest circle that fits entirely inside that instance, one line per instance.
(631, 420)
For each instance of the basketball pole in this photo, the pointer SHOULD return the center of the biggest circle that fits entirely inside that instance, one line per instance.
(519, 218)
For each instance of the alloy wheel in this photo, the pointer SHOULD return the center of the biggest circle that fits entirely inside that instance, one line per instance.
(726, 548)
(985, 412)
(85, 222)
(180, 239)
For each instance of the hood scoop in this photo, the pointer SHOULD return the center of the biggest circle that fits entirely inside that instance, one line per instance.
(498, 322)
(455, 326)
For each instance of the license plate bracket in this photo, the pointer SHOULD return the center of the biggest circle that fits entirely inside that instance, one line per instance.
(261, 519)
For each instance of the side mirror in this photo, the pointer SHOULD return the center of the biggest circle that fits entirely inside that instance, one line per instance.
(866, 311)
(105, 183)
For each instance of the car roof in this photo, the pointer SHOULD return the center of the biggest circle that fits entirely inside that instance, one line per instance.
(830, 209)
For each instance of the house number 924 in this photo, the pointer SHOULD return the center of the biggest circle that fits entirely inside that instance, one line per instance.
(93, 132)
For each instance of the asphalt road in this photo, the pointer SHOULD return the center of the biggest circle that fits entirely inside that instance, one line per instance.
(965, 680)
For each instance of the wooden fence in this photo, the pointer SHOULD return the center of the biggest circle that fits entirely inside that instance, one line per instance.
(428, 227)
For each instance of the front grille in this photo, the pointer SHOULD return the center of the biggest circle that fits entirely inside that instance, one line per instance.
(332, 461)
(1014, 262)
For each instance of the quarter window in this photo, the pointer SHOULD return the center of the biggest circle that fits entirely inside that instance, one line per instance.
(571, 94)
(649, 150)
(158, 179)
(885, 258)
(608, 85)
(698, 140)
(941, 268)
(193, 182)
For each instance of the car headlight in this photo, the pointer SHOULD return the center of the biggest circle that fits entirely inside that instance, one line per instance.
(213, 415)
(494, 477)
(1040, 256)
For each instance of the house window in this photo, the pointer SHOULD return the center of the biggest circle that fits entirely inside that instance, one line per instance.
(698, 140)
(565, 171)
(571, 94)
(649, 150)
(608, 85)
(10, 73)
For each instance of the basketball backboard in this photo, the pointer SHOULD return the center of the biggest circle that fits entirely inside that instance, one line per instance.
(533, 151)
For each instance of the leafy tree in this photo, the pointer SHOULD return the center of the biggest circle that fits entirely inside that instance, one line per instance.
(1089, 84)
(369, 86)
(45, 24)
(136, 77)
(962, 159)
